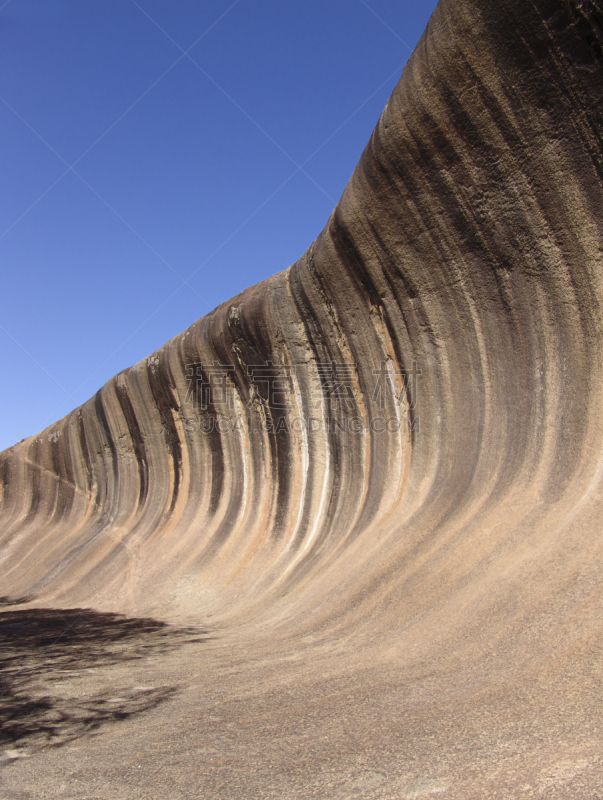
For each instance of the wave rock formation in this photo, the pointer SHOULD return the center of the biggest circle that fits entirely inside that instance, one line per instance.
(399, 438)
(274, 449)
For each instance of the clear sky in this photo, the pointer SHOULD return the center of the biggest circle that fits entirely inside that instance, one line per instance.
(161, 155)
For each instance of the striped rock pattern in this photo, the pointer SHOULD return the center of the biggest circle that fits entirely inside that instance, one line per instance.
(401, 431)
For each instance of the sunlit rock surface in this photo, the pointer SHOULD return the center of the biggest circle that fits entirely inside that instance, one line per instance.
(387, 458)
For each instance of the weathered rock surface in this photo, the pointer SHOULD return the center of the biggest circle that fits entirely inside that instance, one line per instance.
(450, 518)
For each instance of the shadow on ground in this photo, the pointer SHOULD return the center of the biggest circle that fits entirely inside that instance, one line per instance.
(42, 649)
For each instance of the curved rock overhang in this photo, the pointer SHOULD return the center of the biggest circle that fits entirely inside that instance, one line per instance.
(402, 428)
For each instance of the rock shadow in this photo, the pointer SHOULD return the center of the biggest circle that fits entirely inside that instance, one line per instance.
(40, 648)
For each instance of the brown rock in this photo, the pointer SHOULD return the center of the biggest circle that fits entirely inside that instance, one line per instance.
(402, 570)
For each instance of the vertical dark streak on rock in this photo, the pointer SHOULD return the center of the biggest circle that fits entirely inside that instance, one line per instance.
(85, 452)
(135, 437)
(110, 444)
(161, 381)
(63, 469)
(35, 480)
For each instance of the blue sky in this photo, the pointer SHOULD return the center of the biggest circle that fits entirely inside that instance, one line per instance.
(158, 157)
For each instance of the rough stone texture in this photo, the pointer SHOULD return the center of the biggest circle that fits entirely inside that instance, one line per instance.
(396, 613)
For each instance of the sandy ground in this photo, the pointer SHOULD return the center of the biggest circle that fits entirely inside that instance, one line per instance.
(198, 714)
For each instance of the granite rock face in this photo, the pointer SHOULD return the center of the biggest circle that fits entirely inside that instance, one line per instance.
(403, 431)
